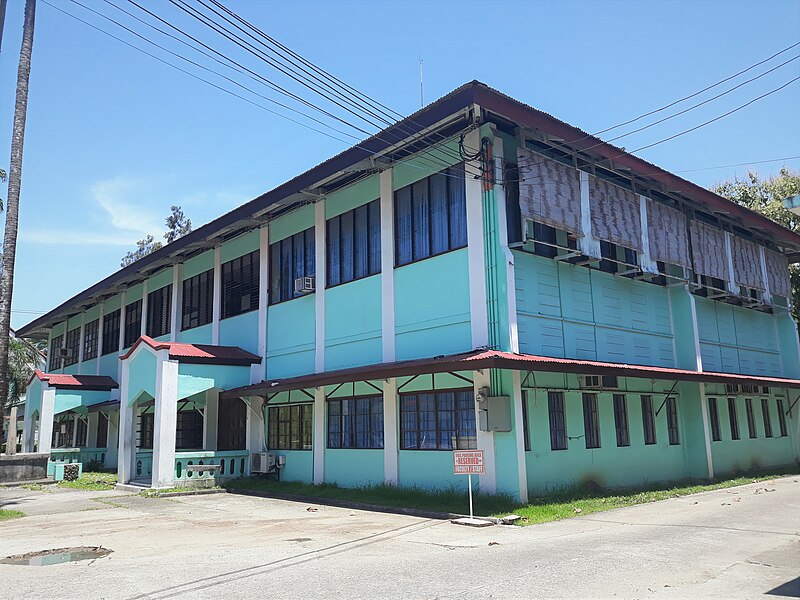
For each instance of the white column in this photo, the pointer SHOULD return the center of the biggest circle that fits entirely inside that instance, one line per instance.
(518, 397)
(216, 306)
(391, 473)
(126, 430)
(112, 441)
(485, 439)
(28, 427)
(76, 418)
(706, 430)
(143, 328)
(121, 344)
(177, 301)
(80, 342)
(255, 424)
(258, 372)
(762, 259)
(479, 315)
(11, 438)
(92, 421)
(100, 321)
(645, 260)
(319, 257)
(502, 230)
(211, 419)
(165, 421)
(387, 266)
(589, 245)
(733, 287)
(46, 416)
(318, 447)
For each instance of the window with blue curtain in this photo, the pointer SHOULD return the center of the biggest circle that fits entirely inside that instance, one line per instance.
(355, 422)
(431, 216)
(290, 259)
(354, 244)
(438, 420)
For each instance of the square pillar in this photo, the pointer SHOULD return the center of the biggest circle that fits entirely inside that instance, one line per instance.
(211, 420)
(76, 418)
(112, 441)
(11, 438)
(255, 424)
(46, 416)
(92, 421)
(165, 421)
(318, 444)
(126, 430)
(517, 398)
(390, 432)
(28, 431)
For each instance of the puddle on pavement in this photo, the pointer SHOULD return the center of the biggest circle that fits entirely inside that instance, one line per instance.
(57, 556)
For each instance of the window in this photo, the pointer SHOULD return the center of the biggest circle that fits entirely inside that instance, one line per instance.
(102, 430)
(72, 343)
(781, 417)
(713, 415)
(290, 259)
(558, 424)
(672, 421)
(621, 420)
(355, 423)
(189, 430)
(111, 332)
(751, 419)
(733, 418)
(55, 352)
(430, 216)
(145, 431)
(159, 309)
(617, 259)
(766, 417)
(442, 420)
(648, 420)
(90, 331)
(354, 244)
(591, 422)
(290, 427)
(80, 433)
(198, 300)
(240, 285)
(133, 322)
(525, 426)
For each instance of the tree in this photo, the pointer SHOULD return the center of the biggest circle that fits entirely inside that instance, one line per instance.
(12, 203)
(177, 226)
(765, 196)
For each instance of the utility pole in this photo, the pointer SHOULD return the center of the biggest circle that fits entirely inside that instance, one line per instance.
(2, 20)
(12, 204)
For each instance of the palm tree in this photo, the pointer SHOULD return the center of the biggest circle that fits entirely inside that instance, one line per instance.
(12, 203)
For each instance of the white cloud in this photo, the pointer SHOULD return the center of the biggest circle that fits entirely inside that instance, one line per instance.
(60, 237)
(121, 198)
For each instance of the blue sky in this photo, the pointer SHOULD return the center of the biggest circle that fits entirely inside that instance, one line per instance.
(114, 137)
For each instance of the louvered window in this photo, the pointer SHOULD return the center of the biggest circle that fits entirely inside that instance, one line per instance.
(159, 307)
(133, 322)
(102, 430)
(111, 332)
(621, 420)
(290, 259)
(713, 415)
(733, 418)
(198, 300)
(354, 244)
(72, 343)
(55, 354)
(558, 423)
(90, 331)
(648, 420)
(240, 285)
(591, 421)
(672, 422)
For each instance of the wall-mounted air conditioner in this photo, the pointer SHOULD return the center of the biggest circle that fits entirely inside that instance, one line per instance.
(305, 285)
(263, 462)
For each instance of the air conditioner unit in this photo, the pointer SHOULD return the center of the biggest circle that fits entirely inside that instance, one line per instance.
(64, 353)
(591, 381)
(262, 462)
(305, 285)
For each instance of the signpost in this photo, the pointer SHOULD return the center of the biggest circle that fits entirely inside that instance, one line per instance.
(469, 463)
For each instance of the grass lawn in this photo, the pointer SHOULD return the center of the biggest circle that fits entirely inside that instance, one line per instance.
(569, 502)
(10, 514)
(92, 481)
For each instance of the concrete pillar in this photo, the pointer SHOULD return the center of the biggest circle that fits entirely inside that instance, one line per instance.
(485, 439)
(258, 372)
(318, 446)
(517, 398)
(211, 420)
(28, 430)
(255, 424)
(165, 421)
(11, 438)
(391, 474)
(145, 300)
(126, 438)
(176, 302)
(112, 442)
(479, 315)
(93, 418)
(387, 267)
(46, 416)
(216, 302)
(76, 419)
(319, 295)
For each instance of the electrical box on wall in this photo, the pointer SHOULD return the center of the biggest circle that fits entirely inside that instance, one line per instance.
(494, 413)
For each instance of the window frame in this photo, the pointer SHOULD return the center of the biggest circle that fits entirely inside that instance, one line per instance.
(461, 413)
(102, 430)
(526, 431)
(283, 263)
(673, 424)
(713, 418)
(54, 361)
(557, 412)
(158, 321)
(733, 419)
(72, 341)
(230, 291)
(370, 239)
(201, 288)
(348, 422)
(281, 414)
(133, 326)
(591, 421)
(781, 417)
(91, 331)
(621, 420)
(188, 430)
(751, 418)
(111, 325)
(766, 417)
(648, 421)
(145, 430)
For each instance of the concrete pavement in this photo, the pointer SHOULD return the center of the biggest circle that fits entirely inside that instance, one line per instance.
(741, 542)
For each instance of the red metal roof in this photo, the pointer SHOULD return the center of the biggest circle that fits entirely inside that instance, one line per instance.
(494, 359)
(198, 353)
(101, 383)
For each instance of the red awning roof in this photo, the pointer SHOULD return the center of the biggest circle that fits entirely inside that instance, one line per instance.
(494, 359)
(199, 353)
(97, 383)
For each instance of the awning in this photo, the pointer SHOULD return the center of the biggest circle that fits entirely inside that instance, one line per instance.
(494, 359)
(65, 381)
(199, 354)
(102, 406)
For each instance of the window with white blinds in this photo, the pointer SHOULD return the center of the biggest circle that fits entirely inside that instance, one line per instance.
(159, 307)
(240, 285)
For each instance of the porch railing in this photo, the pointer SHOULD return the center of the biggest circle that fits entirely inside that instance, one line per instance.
(75, 455)
(225, 465)
(144, 464)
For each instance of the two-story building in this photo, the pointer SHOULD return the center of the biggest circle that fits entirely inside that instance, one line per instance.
(479, 275)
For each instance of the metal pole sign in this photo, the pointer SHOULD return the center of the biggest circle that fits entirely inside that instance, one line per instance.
(469, 463)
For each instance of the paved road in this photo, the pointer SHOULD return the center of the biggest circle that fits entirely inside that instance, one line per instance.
(742, 542)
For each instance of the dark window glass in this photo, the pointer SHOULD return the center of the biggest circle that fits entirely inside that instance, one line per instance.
(672, 421)
(240, 285)
(751, 419)
(62, 431)
(55, 352)
(545, 240)
(766, 417)
(90, 331)
(72, 342)
(621, 420)
(111, 332)
(713, 415)
(80, 433)
(291, 259)
(355, 422)
(159, 308)
(438, 420)
(198, 300)
(513, 211)
(781, 418)
(591, 421)
(133, 322)
(189, 430)
(525, 425)
(430, 216)
(354, 244)
(102, 430)
(558, 424)
(648, 420)
(733, 418)
(144, 431)
(290, 427)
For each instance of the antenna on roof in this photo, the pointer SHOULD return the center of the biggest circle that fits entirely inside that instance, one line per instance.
(421, 97)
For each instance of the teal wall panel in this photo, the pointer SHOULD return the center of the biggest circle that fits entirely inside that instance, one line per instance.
(133, 293)
(142, 376)
(352, 196)
(353, 324)
(299, 465)
(239, 246)
(196, 335)
(430, 469)
(198, 264)
(159, 280)
(291, 329)
(353, 468)
(33, 397)
(291, 223)
(89, 367)
(72, 400)
(427, 163)
(241, 330)
(109, 365)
